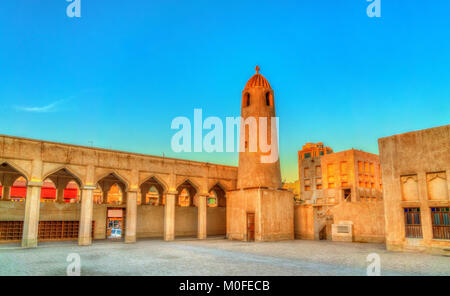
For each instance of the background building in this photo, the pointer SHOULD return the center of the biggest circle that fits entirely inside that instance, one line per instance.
(310, 172)
(416, 169)
(342, 187)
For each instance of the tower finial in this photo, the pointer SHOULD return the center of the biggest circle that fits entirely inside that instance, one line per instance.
(257, 69)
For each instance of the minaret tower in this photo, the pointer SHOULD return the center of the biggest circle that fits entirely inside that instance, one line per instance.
(256, 168)
(259, 209)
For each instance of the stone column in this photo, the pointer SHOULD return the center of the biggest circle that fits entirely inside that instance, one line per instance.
(105, 197)
(6, 194)
(7, 183)
(87, 204)
(201, 214)
(60, 194)
(169, 216)
(143, 198)
(31, 219)
(130, 232)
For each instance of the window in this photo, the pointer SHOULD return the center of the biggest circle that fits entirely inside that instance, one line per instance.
(268, 99)
(246, 101)
(308, 155)
(413, 225)
(330, 169)
(360, 166)
(306, 172)
(319, 186)
(321, 152)
(318, 171)
(441, 223)
(307, 188)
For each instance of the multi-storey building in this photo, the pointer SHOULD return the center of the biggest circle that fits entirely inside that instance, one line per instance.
(310, 172)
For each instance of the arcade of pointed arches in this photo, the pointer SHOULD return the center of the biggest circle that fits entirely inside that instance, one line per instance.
(65, 187)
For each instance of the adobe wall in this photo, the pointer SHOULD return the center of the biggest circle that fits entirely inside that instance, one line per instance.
(406, 161)
(277, 215)
(304, 222)
(150, 221)
(274, 214)
(239, 203)
(367, 218)
(186, 221)
(216, 221)
(11, 211)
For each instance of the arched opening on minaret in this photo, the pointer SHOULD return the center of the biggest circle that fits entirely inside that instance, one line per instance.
(269, 99)
(246, 101)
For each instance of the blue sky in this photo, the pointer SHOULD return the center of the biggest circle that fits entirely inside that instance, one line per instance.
(117, 76)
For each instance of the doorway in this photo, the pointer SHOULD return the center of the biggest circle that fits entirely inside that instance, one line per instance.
(251, 227)
(347, 195)
(114, 223)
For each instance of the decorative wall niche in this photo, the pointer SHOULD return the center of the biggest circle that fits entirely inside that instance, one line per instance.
(410, 190)
(437, 186)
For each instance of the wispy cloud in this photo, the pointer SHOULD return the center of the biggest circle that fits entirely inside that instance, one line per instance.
(43, 109)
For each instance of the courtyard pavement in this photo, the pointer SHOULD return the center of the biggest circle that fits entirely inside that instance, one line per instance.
(216, 256)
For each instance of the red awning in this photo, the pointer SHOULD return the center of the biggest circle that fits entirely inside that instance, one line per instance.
(21, 191)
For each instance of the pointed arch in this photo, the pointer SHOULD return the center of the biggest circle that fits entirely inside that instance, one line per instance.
(118, 176)
(191, 187)
(157, 180)
(219, 184)
(160, 186)
(68, 172)
(192, 183)
(15, 167)
(220, 193)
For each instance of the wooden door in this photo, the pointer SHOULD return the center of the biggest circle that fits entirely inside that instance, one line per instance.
(250, 227)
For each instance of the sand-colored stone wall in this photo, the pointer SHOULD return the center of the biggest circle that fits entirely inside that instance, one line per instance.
(186, 221)
(367, 218)
(150, 221)
(407, 160)
(304, 222)
(273, 209)
(277, 215)
(12, 211)
(239, 203)
(216, 221)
